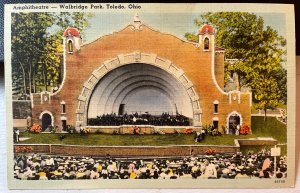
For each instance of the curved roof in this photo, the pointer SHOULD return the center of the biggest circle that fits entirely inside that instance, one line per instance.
(206, 28)
(73, 31)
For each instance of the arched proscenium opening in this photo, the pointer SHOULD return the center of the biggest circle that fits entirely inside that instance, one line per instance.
(128, 79)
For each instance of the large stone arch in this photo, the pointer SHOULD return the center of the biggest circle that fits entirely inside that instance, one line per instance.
(135, 58)
(131, 79)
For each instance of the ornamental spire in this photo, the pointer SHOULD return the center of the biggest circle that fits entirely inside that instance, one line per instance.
(137, 22)
(136, 18)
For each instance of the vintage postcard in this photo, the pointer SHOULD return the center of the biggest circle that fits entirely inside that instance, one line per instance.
(109, 95)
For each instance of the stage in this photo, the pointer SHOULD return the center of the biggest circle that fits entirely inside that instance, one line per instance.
(140, 129)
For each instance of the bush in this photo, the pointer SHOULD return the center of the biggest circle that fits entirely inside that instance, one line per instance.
(115, 133)
(207, 129)
(210, 152)
(188, 131)
(53, 129)
(224, 129)
(35, 128)
(70, 129)
(157, 131)
(84, 131)
(20, 149)
(98, 131)
(245, 129)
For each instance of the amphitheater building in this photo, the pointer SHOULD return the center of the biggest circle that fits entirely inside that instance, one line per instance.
(139, 69)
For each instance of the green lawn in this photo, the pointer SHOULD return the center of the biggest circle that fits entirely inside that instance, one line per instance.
(106, 139)
(271, 128)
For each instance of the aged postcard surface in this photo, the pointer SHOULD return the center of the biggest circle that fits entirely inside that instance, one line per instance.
(110, 95)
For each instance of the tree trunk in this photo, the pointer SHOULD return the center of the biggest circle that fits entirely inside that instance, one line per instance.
(30, 78)
(238, 82)
(24, 78)
(33, 80)
(44, 76)
(265, 118)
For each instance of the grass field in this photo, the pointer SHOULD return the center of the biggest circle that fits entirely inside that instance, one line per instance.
(106, 139)
(270, 128)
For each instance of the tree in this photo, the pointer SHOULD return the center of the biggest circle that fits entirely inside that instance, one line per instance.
(75, 19)
(259, 52)
(28, 42)
(281, 77)
(37, 48)
(267, 94)
(50, 60)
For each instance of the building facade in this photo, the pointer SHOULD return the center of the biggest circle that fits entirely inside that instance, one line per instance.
(136, 63)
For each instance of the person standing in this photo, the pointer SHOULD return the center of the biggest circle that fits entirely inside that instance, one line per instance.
(29, 121)
(237, 131)
(210, 171)
(17, 135)
(80, 129)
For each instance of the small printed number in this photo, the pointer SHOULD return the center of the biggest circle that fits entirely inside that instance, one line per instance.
(279, 181)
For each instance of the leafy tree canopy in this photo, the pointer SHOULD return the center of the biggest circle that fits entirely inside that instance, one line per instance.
(37, 48)
(260, 52)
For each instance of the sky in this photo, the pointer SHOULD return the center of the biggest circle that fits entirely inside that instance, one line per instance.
(174, 23)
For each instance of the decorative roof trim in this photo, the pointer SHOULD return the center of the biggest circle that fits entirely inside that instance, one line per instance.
(140, 28)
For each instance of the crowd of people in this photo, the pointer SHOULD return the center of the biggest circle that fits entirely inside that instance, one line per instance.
(139, 119)
(218, 166)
